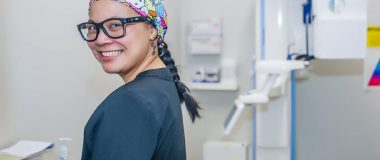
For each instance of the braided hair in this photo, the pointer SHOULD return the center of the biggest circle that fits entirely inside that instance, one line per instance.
(192, 105)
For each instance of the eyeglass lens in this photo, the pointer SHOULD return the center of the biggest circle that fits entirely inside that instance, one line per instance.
(112, 28)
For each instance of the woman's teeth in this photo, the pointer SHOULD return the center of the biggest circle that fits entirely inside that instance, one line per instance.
(111, 53)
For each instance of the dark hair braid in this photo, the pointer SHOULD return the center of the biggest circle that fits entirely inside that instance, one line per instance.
(192, 105)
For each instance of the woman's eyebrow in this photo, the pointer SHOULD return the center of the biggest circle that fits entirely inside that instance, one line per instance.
(92, 21)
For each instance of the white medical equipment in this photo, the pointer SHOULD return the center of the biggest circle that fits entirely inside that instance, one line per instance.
(63, 150)
(305, 29)
(278, 71)
(206, 36)
(225, 150)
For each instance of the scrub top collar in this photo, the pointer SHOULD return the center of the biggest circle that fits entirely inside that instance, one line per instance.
(164, 73)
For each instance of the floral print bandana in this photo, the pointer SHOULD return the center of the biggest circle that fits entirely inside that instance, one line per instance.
(153, 9)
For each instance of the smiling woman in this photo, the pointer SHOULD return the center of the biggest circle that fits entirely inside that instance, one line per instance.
(142, 119)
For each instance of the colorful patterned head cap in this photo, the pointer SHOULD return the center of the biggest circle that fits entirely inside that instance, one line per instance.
(153, 9)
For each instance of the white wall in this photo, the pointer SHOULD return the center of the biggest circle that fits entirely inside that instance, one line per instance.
(54, 83)
(238, 44)
(336, 118)
(3, 99)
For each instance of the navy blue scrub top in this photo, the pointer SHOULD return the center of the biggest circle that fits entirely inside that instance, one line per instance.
(141, 120)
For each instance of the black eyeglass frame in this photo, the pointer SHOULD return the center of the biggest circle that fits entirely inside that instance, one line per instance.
(123, 21)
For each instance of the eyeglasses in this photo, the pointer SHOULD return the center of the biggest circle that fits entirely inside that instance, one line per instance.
(113, 28)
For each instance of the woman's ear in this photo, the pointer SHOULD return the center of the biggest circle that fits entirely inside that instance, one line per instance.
(153, 33)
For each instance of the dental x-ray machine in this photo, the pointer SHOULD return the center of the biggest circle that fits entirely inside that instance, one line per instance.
(290, 33)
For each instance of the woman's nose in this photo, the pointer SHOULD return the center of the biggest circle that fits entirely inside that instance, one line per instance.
(102, 39)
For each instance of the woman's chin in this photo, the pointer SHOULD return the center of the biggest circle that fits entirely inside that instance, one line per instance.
(110, 70)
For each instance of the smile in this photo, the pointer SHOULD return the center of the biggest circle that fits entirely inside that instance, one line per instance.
(111, 53)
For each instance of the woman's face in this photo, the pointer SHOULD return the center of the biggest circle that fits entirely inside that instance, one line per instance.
(124, 54)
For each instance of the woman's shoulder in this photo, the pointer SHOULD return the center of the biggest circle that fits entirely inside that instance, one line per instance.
(126, 103)
(127, 96)
(122, 108)
(140, 90)
(136, 96)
